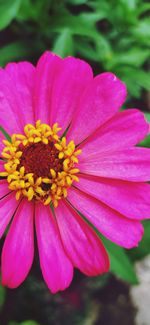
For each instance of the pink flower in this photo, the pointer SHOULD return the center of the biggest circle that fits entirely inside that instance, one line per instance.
(90, 166)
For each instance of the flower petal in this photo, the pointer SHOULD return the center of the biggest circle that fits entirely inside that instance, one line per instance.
(125, 129)
(122, 231)
(16, 83)
(130, 199)
(56, 267)
(18, 250)
(2, 166)
(8, 205)
(81, 243)
(129, 164)
(99, 102)
(1, 142)
(46, 72)
(72, 78)
(22, 75)
(3, 188)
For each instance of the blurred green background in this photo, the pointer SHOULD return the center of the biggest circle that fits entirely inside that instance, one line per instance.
(112, 36)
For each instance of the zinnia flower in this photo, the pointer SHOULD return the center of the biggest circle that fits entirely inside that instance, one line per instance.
(70, 153)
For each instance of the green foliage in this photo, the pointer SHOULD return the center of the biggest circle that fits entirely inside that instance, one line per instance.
(5, 133)
(114, 35)
(2, 296)
(63, 45)
(8, 11)
(27, 322)
(144, 247)
(120, 263)
(16, 51)
(147, 116)
(146, 141)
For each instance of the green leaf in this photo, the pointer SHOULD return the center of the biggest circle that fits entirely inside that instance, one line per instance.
(143, 7)
(136, 79)
(134, 57)
(144, 247)
(133, 88)
(101, 7)
(100, 51)
(142, 31)
(142, 78)
(146, 141)
(63, 45)
(5, 133)
(78, 2)
(83, 24)
(120, 263)
(8, 11)
(27, 322)
(16, 51)
(31, 10)
(86, 50)
(130, 4)
(147, 116)
(27, 10)
(2, 295)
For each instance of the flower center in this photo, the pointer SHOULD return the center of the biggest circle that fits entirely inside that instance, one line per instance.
(39, 164)
(39, 158)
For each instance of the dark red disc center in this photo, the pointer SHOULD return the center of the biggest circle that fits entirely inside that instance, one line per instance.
(39, 158)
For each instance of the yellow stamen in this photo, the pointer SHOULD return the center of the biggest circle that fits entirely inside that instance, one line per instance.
(46, 180)
(48, 200)
(53, 173)
(26, 184)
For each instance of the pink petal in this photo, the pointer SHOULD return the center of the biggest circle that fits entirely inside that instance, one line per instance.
(7, 105)
(123, 130)
(22, 75)
(130, 199)
(81, 243)
(8, 205)
(2, 165)
(99, 102)
(3, 188)
(72, 78)
(122, 231)
(18, 250)
(16, 83)
(46, 71)
(129, 164)
(56, 267)
(1, 142)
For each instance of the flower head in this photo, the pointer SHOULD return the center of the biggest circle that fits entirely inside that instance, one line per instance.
(70, 153)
